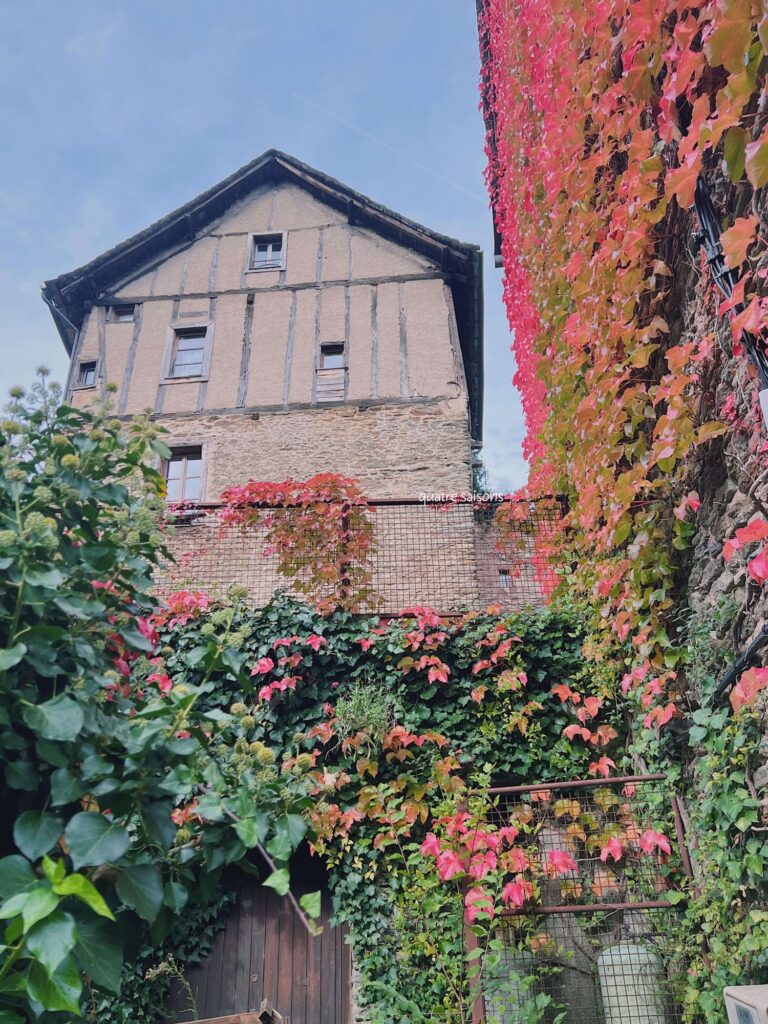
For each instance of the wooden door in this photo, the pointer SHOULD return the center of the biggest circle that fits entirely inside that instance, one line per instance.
(265, 952)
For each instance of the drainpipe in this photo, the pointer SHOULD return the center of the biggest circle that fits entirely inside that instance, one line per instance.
(726, 279)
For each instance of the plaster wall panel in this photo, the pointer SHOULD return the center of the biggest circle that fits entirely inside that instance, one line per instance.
(193, 309)
(147, 367)
(89, 337)
(388, 321)
(373, 256)
(332, 317)
(199, 265)
(308, 308)
(269, 341)
(296, 208)
(360, 342)
(233, 253)
(252, 215)
(226, 352)
(181, 397)
(170, 273)
(141, 285)
(336, 243)
(431, 369)
(117, 343)
(301, 256)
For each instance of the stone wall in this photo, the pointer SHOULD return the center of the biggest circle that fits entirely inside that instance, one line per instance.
(394, 449)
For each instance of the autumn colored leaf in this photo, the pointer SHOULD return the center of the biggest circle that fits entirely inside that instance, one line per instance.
(612, 848)
(737, 240)
(651, 840)
(757, 161)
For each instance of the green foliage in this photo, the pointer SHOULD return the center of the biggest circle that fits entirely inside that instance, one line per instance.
(95, 751)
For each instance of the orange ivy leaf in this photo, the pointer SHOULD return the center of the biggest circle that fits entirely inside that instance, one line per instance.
(737, 239)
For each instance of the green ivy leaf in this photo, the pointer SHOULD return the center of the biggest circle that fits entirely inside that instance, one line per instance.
(99, 952)
(175, 896)
(12, 656)
(734, 152)
(16, 875)
(35, 832)
(280, 881)
(140, 887)
(52, 939)
(57, 719)
(49, 579)
(311, 904)
(83, 889)
(93, 839)
(33, 905)
(66, 787)
(252, 831)
(54, 870)
(61, 991)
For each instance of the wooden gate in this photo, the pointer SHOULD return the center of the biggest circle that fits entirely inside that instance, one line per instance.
(265, 953)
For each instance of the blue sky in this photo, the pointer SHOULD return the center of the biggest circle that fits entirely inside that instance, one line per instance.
(116, 113)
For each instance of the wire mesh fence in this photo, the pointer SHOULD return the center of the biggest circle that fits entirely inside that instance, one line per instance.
(598, 946)
(451, 557)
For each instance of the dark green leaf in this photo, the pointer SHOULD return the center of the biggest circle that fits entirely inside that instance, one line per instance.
(49, 579)
(52, 939)
(66, 788)
(93, 839)
(57, 719)
(100, 952)
(11, 656)
(175, 896)
(252, 831)
(35, 832)
(159, 824)
(59, 992)
(140, 887)
(16, 875)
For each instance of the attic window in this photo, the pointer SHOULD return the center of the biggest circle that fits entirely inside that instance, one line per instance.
(86, 374)
(124, 314)
(267, 252)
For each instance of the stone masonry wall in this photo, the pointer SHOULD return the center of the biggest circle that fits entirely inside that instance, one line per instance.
(393, 450)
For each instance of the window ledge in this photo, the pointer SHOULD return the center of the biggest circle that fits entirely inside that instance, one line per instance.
(84, 387)
(184, 380)
(264, 270)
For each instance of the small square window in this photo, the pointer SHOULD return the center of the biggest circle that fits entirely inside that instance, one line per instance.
(188, 353)
(505, 579)
(125, 314)
(332, 356)
(266, 252)
(183, 474)
(86, 375)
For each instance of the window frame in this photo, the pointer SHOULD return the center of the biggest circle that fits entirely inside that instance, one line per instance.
(262, 237)
(176, 331)
(330, 383)
(114, 318)
(79, 385)
(181, 453)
